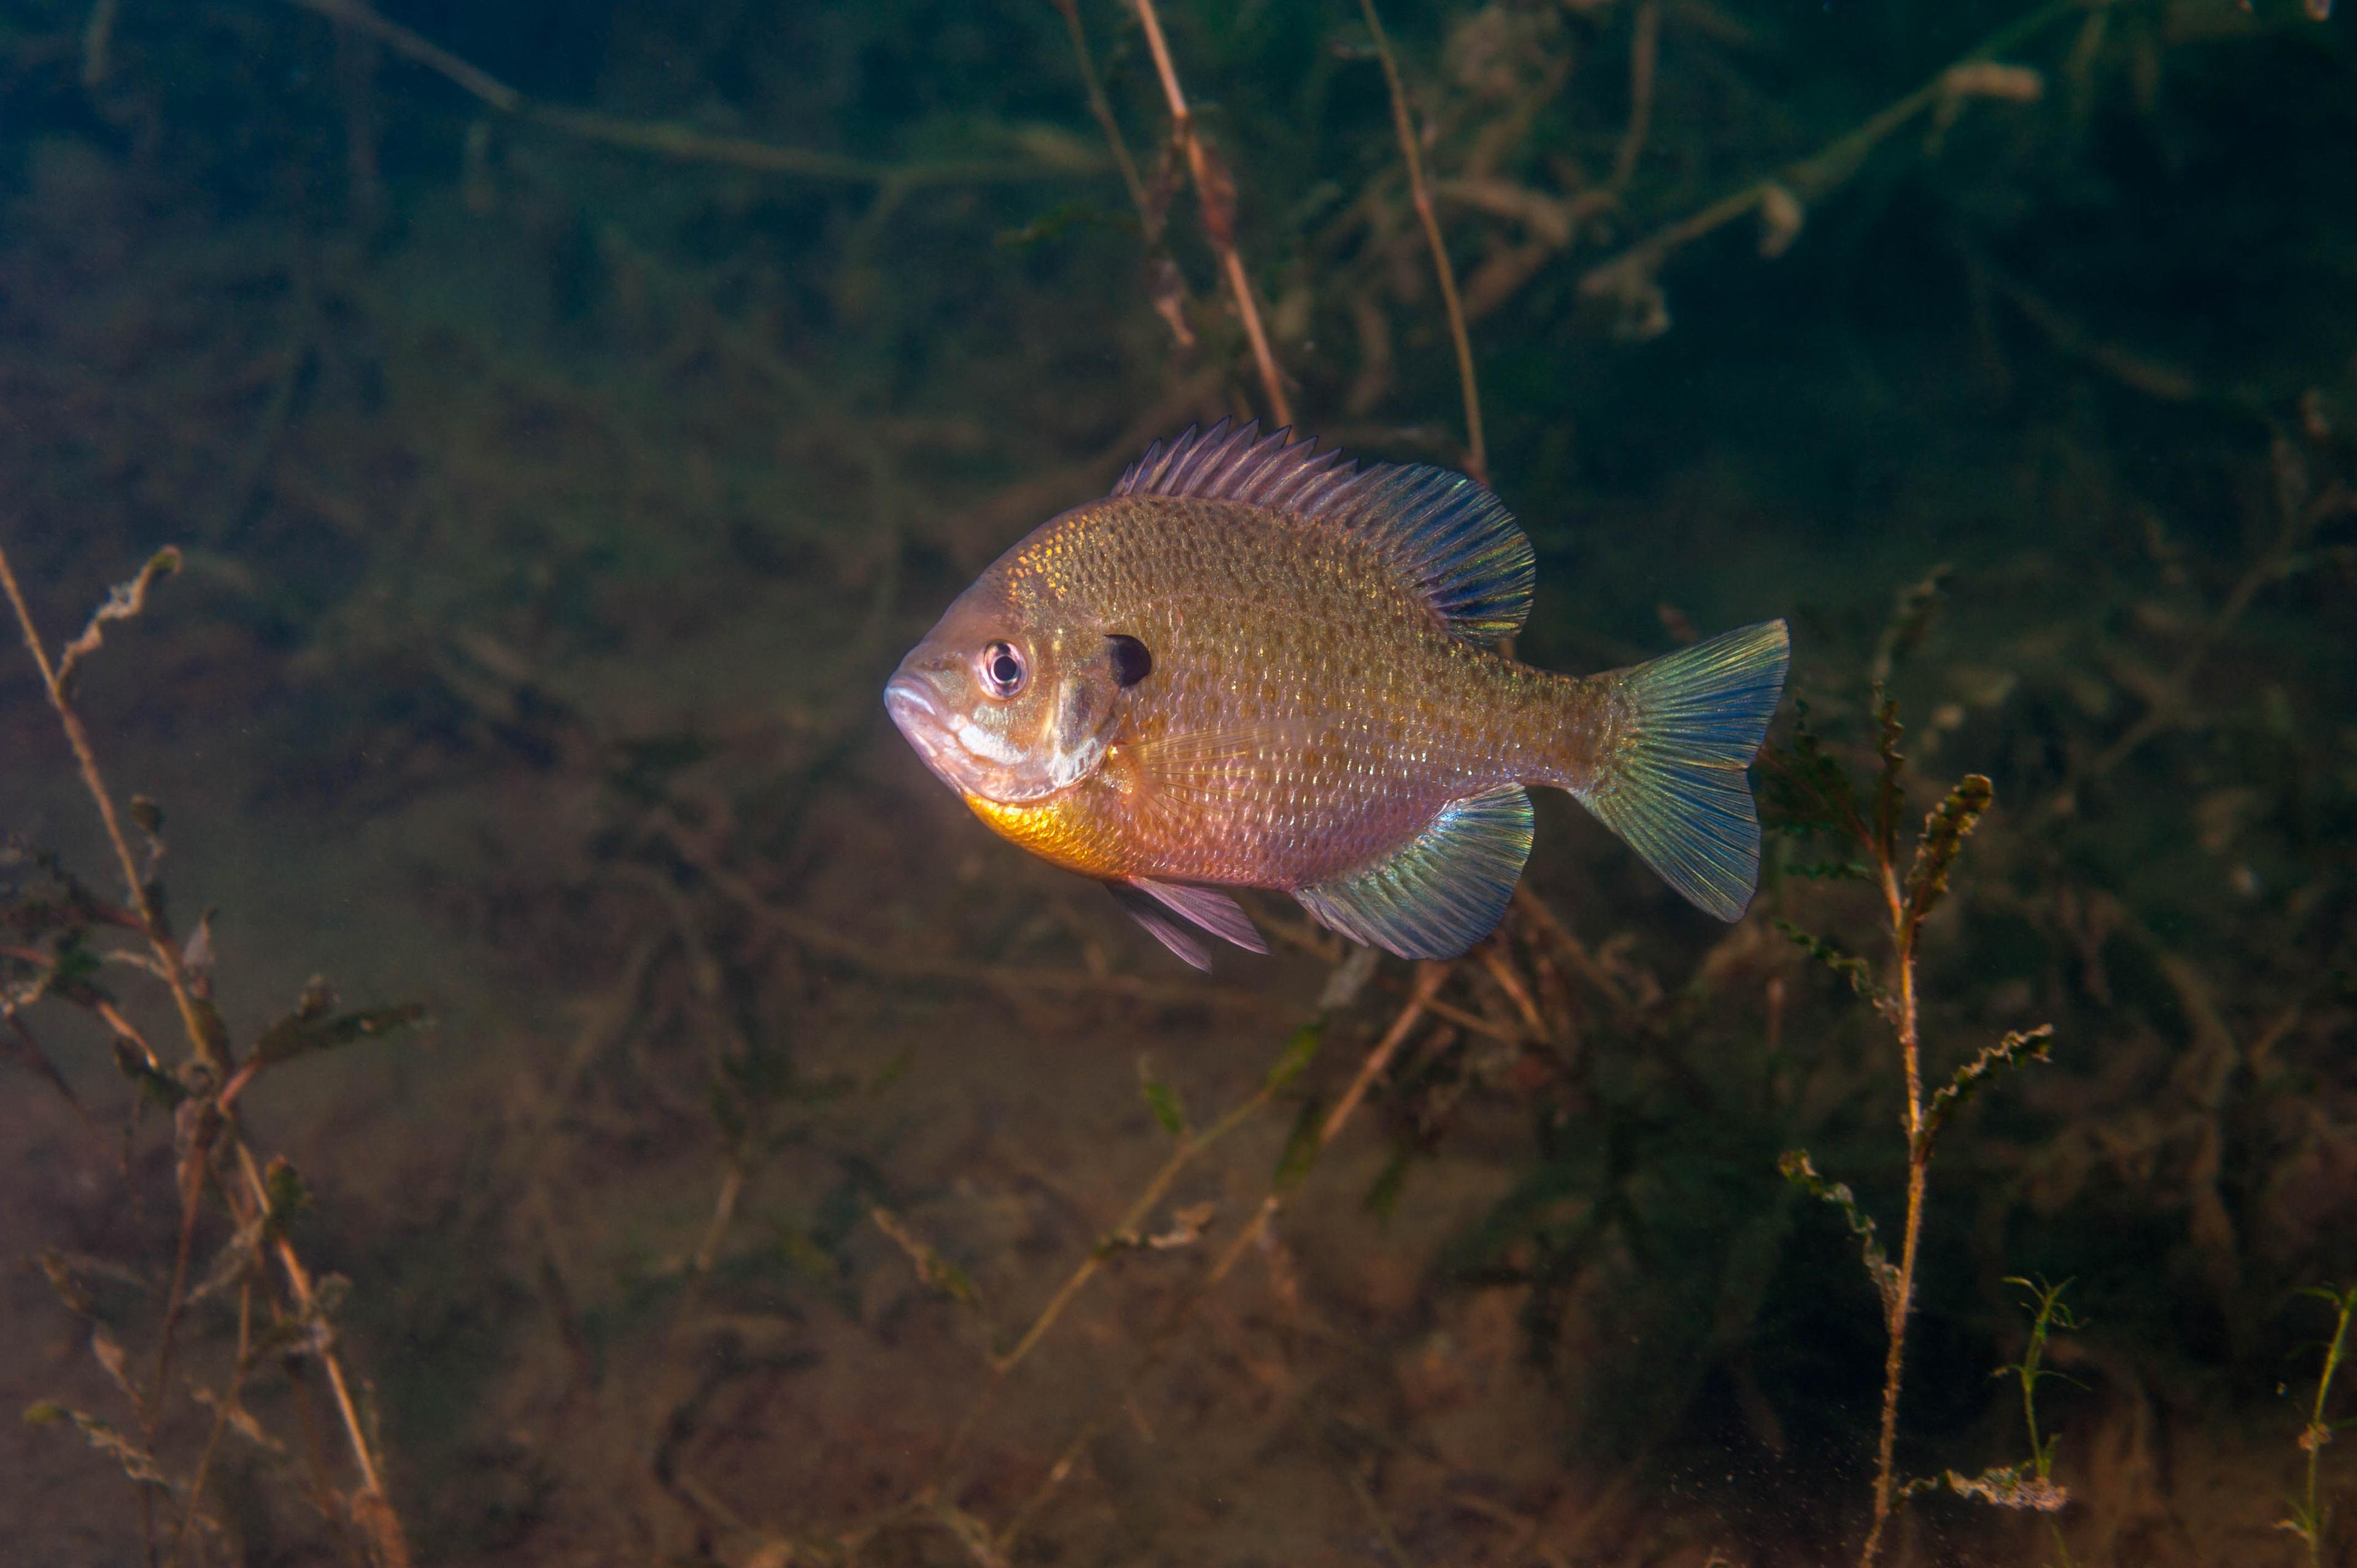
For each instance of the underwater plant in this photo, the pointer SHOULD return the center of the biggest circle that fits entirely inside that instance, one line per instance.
(2310, 1516)
(2029, 1484)
(652, 337)
(1809, 792)
(284, 1312)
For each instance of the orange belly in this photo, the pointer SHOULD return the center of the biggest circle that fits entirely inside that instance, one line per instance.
(1063, 831)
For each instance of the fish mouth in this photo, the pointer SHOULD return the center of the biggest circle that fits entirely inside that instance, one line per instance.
(929, 727)
(918, 715)
(912, 707)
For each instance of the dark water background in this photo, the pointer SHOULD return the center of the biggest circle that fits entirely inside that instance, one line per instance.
(555, 494)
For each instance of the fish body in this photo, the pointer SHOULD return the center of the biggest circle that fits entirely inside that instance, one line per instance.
(1255, 666)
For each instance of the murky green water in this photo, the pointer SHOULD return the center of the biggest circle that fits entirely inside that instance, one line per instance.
(568, 414)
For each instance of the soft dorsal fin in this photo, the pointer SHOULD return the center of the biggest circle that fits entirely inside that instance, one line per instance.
(1452, 539)
(1443, 890)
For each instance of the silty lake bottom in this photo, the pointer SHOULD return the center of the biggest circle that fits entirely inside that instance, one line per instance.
(709, 1143)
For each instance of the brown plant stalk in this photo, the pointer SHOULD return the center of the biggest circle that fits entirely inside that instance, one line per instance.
(1477, 457)
(1644, 56)
(1102, 107)
(209, 1041)
(1900, 1300)
(1811, 177)
(1819, 795)
(1215, 197)
(663, 137)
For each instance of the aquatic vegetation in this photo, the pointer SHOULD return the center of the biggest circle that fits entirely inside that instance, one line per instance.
(284, 1312)
(569, 413)
(1813, 795)
(2310, 1516)
(2029, 1485)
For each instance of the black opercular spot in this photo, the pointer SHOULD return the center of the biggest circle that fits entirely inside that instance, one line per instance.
(1131, 661)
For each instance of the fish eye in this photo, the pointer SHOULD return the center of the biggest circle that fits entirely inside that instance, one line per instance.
(1002, 670)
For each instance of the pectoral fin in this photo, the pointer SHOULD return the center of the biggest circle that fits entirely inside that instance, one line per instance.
(1443, 890)
(1166, 908)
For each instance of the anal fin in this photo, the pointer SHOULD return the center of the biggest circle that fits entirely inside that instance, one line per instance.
(1443, 890)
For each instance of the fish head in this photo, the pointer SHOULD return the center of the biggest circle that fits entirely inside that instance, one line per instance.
(1012, 697)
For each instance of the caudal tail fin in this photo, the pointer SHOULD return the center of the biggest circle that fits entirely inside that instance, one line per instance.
(1672, 781)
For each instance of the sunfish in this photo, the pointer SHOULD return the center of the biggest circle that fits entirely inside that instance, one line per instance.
(1257, 665)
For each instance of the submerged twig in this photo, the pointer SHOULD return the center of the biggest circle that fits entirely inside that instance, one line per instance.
(1428, 976)
(1788, 189)
(204, 1030)
(1102, 107)
(1644, 56)
(662, 136)
(1215, 195)
(2301, 516)
(1477, 457)
(249, 1205)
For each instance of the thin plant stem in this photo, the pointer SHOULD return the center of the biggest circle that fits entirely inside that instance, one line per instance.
(191, 1179)
(202, 1034)
(1645, 55)
(1428, 977)
(225, 1404)
(1190, 1146)
(1215, 198)
(167, 955)
(1821, 171)
(206, 1038)
(666, 139)
(1476, 459)
(2317, 1432)
(299, 1280)
(1900, 1301)
(1102, 107)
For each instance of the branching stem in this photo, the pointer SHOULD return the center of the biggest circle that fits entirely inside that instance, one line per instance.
(1821, 170)
(663, 138)
(168, 954)
(206, 1039)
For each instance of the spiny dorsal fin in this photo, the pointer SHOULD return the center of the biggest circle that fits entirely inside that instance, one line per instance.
(1453, 539)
